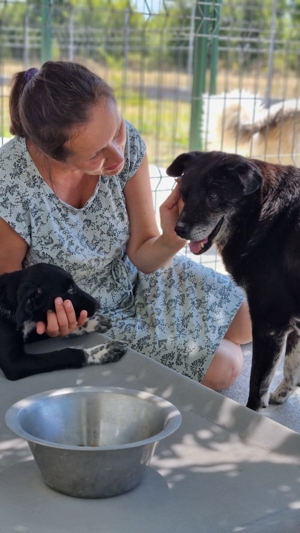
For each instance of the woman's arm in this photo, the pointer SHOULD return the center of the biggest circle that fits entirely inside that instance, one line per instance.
(13, 248)
(147, 248)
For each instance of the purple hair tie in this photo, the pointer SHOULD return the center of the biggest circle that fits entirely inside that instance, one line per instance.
(30, 73)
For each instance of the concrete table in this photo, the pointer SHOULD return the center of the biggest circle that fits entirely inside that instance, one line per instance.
(226, 469)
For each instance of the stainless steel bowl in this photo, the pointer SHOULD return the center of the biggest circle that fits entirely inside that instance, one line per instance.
(93, 442)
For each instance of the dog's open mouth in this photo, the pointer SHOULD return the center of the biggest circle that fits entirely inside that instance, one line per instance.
(199, 247)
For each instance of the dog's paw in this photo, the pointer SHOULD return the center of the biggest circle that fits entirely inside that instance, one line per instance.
(279, 397)
(99, 323)
(102, 323)
(264, 400)
(109, 352)
(253, 404)
(283, 392)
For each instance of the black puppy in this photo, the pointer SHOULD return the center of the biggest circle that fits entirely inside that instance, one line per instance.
(251, 211)
(25, 297)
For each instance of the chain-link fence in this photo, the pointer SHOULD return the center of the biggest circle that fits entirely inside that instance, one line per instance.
(144, 53)
(188, 74)
(255, 110)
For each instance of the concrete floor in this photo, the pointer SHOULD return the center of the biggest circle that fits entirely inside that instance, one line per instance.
(287, 414)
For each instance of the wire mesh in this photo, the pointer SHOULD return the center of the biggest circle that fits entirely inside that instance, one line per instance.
(256, 108)
(243, 55)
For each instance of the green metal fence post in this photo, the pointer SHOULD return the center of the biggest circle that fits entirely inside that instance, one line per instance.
(46, 45)
(215, 47)
(201, 34)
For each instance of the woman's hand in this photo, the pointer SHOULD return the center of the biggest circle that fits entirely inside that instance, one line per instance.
(169, 214)
(147, 247)
(63, 321)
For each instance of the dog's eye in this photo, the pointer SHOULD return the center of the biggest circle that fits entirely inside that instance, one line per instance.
(213, 196)
(71, 289)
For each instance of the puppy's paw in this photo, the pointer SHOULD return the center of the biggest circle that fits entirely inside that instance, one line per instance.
(109, 352)
(99, 323)
(102, 323)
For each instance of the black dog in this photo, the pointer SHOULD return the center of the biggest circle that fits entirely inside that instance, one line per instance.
(251, 211)
(25, 297)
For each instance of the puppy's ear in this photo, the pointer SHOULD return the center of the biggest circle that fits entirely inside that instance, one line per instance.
(29, 302)
(249, 177)
(177, 167)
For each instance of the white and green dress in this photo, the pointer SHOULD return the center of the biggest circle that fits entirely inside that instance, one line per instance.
(177, 315)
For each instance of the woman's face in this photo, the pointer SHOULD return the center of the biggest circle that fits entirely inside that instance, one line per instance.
(98, 146)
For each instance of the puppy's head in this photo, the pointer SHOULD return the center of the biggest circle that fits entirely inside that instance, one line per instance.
(38, 287)
(212, 186)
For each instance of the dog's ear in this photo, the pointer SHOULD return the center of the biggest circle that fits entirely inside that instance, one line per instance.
(30, 301)
(249, 176)
(177, 167)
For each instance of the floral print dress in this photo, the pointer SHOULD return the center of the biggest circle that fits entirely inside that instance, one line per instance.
(177, 315)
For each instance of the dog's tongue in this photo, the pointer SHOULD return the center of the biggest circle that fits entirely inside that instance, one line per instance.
(196, 246)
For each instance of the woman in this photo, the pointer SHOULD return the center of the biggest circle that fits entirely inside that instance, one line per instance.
(75, 191)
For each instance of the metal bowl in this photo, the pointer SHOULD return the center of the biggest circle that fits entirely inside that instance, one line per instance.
(93, 442)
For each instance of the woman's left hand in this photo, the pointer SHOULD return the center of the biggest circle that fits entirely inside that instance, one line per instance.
(62, 321)
(169, 214)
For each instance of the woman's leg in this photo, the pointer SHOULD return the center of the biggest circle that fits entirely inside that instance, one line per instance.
(227, 363)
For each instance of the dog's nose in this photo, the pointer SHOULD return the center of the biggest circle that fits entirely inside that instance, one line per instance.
(183, 230)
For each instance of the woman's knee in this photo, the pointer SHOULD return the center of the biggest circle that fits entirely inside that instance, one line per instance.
(240, 329)
(225, 367)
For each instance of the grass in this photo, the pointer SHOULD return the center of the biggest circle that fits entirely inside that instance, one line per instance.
(163, 124)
